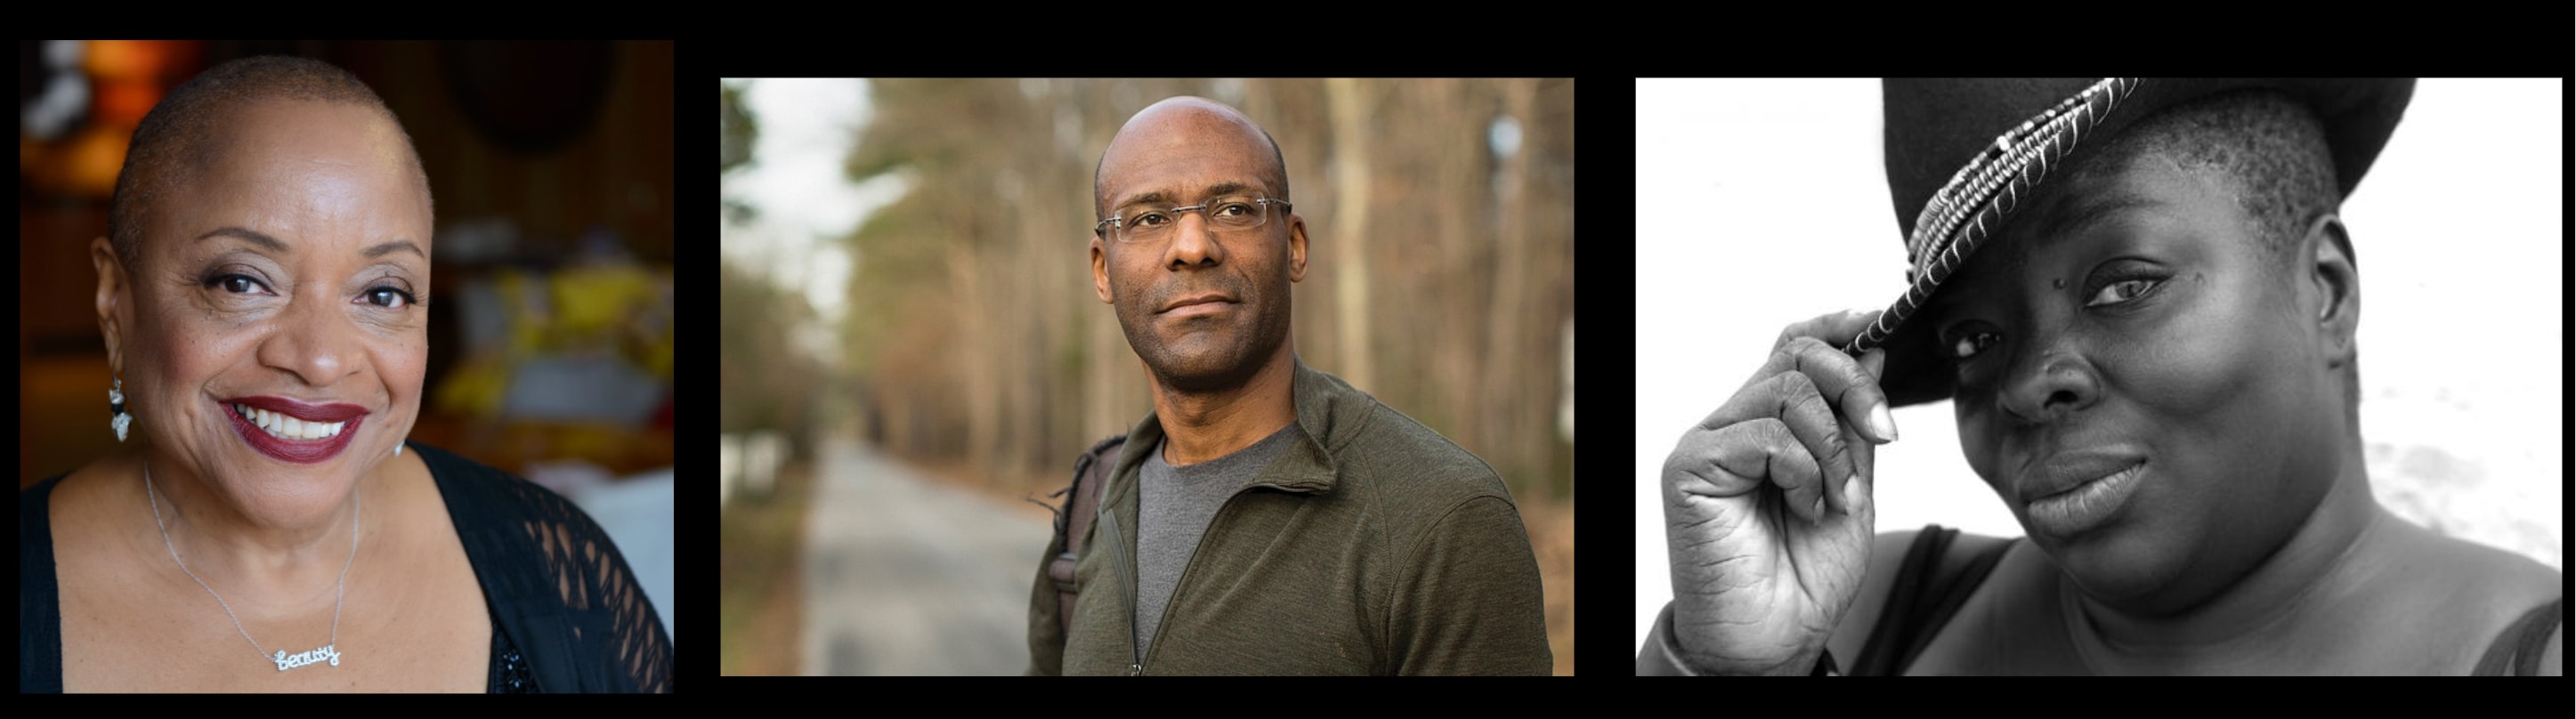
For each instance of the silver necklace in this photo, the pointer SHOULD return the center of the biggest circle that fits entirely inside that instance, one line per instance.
(328, 652)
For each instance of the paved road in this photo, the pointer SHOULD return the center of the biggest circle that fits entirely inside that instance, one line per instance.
(904, 575)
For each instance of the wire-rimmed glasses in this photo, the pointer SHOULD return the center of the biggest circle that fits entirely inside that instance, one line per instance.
(1153, 224)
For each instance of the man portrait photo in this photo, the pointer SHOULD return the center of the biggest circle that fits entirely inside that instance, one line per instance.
(1266, 516)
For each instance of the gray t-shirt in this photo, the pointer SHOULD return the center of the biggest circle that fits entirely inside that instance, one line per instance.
(1176, 504)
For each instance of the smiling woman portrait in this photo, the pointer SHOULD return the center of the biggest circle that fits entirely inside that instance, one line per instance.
(263, 295)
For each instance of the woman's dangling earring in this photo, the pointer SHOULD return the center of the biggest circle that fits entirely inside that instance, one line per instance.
(397, 449)
(116, 407)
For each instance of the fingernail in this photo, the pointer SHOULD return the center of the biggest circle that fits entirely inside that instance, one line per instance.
(1850, 484)
(1880, 422)
(1820, 507)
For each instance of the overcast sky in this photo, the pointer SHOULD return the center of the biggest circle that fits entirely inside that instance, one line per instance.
(807, 127)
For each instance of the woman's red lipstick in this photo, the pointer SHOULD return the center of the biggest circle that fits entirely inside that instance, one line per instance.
(300, 451)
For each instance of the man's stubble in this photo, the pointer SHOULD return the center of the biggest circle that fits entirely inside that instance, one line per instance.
(1203, 362)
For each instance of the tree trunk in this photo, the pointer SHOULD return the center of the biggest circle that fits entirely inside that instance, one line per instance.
(1351, 200)
(1507, 379)
(983, 413)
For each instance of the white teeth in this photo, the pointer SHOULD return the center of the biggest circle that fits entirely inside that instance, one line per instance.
(285, 427)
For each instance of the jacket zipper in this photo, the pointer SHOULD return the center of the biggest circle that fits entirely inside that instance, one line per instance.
(1184, 581)
(1118, 555)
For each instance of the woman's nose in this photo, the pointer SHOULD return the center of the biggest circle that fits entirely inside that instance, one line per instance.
(2047, 387)
(317, 342)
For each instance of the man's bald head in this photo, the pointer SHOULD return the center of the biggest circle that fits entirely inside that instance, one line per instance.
(182, 135)
(1175, 120)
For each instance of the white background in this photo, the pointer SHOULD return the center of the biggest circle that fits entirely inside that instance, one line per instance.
(1763, 202)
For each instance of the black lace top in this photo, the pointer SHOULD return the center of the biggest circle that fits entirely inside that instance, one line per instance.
(567, 615)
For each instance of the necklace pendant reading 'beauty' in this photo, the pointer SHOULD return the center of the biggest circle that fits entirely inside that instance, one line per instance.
(329, 652)
(316, 656)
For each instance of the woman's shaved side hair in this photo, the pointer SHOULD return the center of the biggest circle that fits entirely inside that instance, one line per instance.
(2271, 150)
(179, 139)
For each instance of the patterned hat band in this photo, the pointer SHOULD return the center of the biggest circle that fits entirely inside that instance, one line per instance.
(1989, 188)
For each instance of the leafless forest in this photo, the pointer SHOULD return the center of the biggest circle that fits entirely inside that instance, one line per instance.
(1440, 277)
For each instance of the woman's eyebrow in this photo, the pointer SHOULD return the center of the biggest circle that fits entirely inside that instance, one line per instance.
(265, 241)
(390, 247)
(272, 245)
(2077, 214)
(1937, 311)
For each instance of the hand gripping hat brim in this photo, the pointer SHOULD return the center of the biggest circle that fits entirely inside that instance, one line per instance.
(1962, 155)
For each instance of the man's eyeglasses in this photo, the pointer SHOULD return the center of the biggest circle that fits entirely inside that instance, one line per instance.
(1154, 224)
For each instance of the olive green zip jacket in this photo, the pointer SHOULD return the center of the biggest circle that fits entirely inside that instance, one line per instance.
(1371, 545)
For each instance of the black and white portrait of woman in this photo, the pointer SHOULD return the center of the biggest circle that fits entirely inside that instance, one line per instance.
(2077, 376)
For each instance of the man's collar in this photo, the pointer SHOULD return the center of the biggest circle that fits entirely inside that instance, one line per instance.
(1324, 407)
(1318, 396)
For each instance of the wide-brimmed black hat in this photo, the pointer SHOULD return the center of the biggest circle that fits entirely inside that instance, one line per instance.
(1963, 155)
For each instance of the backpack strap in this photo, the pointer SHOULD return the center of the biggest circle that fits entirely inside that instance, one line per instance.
(1073, 524)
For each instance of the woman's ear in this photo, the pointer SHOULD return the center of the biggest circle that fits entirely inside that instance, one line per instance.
(113, 293)
(2330, 271)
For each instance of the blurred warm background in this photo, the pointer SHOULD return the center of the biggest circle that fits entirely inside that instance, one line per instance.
(906, 290)
(551, 344)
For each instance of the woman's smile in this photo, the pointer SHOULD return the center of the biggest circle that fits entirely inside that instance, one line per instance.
(292, 431)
